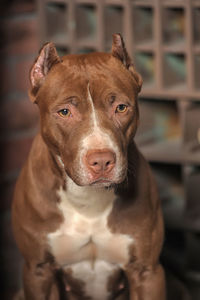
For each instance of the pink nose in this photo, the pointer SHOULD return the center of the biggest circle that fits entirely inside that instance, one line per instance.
(100, 161)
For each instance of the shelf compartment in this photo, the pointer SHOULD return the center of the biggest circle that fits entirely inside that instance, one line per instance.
(56, 13)
(173, 3)
(193, 250)
(113, 20)
(192, 183)
(197, 70)
(174, 26)
(86, 50)
(56, 1)
(86, 23)
(86, 44)
(196, 25)
(174, 71)
(143, 25)
(113, 2)
(196, 3)
(192, 132)
(159, 133)
(143, 3)
(145, 65)
(170, 186)
(174, 49)
(62, 50)
(86, 2)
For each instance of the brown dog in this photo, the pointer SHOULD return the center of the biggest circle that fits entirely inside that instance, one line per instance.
(86, 213)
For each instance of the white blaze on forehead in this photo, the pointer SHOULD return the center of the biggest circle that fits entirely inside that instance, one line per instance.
(93, 115)
(97, 137)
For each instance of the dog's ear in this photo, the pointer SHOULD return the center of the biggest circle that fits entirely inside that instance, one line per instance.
(119, 51)
(46, 59)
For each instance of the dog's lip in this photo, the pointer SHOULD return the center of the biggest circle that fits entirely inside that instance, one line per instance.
(101, 181)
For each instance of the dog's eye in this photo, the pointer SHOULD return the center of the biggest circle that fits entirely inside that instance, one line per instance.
(64, 112)
(121, 108)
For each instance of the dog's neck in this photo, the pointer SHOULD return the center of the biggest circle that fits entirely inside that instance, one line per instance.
(86, 200)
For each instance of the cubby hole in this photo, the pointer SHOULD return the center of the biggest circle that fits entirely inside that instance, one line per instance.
(192, 132)
(113, 20)
(62, 51)
(159, 134)
(197, 70)
(173, 254)
(173, 26)
(193, 250)
(56, 19)
(85, 50)
(174, 71)
(86, 22)
(192, 186)
(193, 263)
(142, 2)
(143, 25)
(171, 192)
(145, 65)
(196, 25)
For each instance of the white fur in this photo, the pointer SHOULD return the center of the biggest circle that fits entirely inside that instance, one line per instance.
(84, 242)
(96, 278)
(93, 115)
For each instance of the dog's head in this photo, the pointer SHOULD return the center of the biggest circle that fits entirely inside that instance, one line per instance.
(89, 112)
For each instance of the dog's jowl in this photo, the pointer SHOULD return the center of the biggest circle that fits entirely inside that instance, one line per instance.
(86, 214)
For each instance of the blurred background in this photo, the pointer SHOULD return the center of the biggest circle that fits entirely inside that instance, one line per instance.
(163, 38)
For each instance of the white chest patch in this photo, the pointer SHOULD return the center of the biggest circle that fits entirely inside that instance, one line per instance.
(96, 278)
(84, 242)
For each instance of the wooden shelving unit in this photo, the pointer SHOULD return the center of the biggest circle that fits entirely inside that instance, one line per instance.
(163, 37)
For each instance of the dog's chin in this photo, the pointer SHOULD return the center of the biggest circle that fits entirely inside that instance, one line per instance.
(98, 183)
(101, 183)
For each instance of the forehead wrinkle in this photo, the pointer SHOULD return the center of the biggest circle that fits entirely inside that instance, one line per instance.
(111, 79)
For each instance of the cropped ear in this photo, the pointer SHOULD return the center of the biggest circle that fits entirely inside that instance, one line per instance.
(119, 51)
(46, 59)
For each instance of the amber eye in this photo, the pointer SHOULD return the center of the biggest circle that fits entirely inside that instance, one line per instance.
(64, 112)
(121, 108)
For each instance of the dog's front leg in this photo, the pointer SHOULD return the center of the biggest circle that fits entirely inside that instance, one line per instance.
(40, 282)
(147, 285)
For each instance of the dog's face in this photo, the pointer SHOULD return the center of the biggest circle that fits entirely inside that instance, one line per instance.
(89, 113)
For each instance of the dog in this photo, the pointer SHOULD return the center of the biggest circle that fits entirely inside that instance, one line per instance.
(86, 214)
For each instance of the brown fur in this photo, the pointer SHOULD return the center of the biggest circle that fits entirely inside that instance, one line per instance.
(136, 211)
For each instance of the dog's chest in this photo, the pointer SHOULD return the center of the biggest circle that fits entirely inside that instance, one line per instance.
(85, 245)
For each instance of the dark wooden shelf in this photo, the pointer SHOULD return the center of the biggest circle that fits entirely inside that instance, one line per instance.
(113, 2)
(173, 4)
(165, 151)
(148, 46)
(177, 48)
(143, 3)
(87, 2)
(176, 92)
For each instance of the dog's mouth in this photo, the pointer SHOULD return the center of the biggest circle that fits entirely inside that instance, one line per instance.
(106, 182)
(101, 182)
